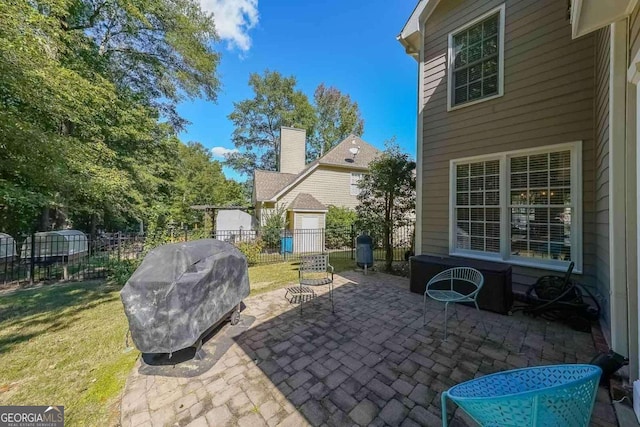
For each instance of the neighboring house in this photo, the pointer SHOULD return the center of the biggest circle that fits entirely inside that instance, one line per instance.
(306, 191)
(528, 141)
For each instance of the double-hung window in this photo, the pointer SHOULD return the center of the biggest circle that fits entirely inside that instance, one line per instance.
(355, 180)
(476, 54)
(521, 207)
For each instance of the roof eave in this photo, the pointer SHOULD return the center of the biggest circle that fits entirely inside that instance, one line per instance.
(590, 15)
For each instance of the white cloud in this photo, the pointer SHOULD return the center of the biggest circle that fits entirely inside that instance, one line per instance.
(221, 152)
(234, 19)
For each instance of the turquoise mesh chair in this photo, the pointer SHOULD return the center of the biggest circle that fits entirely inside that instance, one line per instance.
(447, 287)
(549, 396)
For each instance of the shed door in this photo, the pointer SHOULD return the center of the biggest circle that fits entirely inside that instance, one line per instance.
(309, 235)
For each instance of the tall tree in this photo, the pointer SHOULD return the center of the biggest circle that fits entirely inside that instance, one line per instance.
(257, 121)
(200, 181)
(387, 196)
(83, 85)
(336, 118)
(161, 50)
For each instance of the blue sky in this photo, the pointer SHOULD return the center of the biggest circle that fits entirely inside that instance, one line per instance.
(349, 44)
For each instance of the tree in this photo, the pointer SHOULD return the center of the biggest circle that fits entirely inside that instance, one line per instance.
(200, 181)
(336, 118)
(160, 50)
(84, 85)
(257, 121)
(387, 197)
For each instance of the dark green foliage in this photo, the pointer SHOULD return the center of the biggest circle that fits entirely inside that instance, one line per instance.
(339, 227)
(278, 103)
(257, 121)
(88, 122)
(274, 223)
(251, 250)
(336, 118)
(387, 197)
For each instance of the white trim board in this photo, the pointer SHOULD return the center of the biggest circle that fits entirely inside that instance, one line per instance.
(617, 189)
(450, 58)
(504, 255)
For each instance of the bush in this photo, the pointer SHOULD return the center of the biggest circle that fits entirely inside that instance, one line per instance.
(275, 221)
(120, 271)
(339, 222)
(251, 250)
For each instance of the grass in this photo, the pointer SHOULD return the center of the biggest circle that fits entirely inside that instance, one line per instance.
(268, 277)
(63, 345)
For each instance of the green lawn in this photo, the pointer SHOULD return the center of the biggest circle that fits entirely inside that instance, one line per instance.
(267, 277)
(64, 344)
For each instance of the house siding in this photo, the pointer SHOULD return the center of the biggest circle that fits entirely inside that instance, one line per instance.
(634, 32)
(602, 52)
(548, 99)
(330, 186)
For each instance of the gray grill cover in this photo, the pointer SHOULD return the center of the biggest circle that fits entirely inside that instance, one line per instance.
(180, 291)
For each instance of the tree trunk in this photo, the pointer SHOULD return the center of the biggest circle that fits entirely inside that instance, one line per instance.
(388, 231)
(44, 219)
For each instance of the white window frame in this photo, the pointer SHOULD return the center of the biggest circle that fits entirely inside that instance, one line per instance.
(505, 218)
(357, 190)
(450, 59)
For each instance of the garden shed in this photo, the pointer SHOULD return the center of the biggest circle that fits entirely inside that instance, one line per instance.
(7, 248)
(54, 246)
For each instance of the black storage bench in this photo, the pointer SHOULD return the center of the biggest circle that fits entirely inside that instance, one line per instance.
(496, 294)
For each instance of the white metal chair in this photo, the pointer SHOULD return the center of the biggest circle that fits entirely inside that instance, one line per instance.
(451, 293)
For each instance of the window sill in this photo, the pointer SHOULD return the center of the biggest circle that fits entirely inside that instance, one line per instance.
(477, 101)
(558, 266)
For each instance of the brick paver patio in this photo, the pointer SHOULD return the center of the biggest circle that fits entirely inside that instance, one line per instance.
(372, 363)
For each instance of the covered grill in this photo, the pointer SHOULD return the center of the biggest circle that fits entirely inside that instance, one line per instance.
(182, 291)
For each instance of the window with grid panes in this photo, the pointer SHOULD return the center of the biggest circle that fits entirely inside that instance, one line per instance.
(541, 205)
(355, 181)
(475, 61)
(477, 207)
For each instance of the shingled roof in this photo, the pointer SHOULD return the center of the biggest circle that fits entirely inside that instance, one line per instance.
(268, 184)
(341, 156)
(305, 201)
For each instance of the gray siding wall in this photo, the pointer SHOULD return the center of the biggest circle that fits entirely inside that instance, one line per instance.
(634, 32)
(548, 99)
(603, 47)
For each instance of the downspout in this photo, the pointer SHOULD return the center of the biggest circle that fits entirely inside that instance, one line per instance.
(617, 188)
(419, 146)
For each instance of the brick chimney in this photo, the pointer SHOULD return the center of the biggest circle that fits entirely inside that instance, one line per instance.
(292, 150)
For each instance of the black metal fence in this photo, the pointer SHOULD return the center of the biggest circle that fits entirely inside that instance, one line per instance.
(75, 256)
(278, 245)
(64, 256)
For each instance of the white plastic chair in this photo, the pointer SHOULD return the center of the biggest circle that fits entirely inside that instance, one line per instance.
(449, 294)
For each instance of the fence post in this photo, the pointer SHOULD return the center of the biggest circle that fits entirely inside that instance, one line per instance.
(119, 240)
(186, 235)
(353, 240)
(283, 244)
(32, 266)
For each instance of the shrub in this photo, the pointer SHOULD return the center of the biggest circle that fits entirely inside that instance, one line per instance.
(275, 221)
(339, 222)
(251, 250)
(120, 271)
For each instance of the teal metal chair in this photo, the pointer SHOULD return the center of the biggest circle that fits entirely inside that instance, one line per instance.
(542, 396)
(458, 284)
